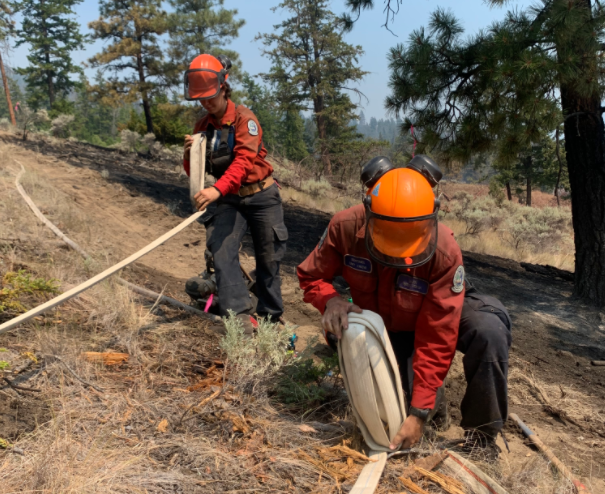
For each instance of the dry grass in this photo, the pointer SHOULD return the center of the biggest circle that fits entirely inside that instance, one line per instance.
(174, 418)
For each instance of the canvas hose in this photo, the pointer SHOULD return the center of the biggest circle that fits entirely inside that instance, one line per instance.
(197, 163)
(371, 377)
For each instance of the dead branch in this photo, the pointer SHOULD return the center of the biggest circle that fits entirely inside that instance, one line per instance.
(86, 383)
(20, 388)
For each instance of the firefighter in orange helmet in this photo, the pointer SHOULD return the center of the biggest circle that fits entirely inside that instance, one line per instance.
(401, 263)
(243, 196)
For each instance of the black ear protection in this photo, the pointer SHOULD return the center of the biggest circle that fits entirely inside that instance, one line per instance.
(225, 62)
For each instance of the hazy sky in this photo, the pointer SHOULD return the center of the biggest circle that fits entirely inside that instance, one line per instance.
(368, 33)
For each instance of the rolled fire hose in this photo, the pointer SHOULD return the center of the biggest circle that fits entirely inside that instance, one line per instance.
(371, 377)
(198, 162)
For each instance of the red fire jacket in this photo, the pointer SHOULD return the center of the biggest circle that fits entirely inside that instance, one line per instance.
(249, 165)
(427, 299)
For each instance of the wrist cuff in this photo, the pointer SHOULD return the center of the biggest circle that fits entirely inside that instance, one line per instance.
(421, 413)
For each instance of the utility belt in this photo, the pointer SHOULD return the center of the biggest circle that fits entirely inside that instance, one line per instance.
(251, 189)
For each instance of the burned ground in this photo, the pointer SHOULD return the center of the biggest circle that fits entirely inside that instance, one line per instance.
(553, 386)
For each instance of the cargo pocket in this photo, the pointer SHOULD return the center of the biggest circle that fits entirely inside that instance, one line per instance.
(279, 242)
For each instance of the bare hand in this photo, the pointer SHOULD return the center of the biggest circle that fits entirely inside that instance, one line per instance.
(335, 319)
(205, 197)
(188, 143)
(409, 434)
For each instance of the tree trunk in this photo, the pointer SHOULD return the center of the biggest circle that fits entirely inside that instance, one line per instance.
(558, 183)
(509, 193)
(49, 73)
(318, 108)
(7, 92)
(144, 93)
(528, 191)
(585, 148)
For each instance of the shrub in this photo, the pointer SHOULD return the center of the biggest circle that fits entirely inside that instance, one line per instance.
(252, 357)
(14, 285)
(303, 382)
(478, 214)
(538, 230)
(496, 192)
(60, 126)
(129, 141)
(316, 188)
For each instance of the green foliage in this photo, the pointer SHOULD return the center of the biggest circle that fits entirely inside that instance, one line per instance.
(496, 192)
(17, 96)
(48, 27)
(263, 104)
(478, 214)
(254, 356)
(134, 56)
(302, 383)
(311, 64)
(3, 350)
(14, 285)
(539, 230)
(199, 26)
(290, 135)
(316, 188)
(4, 365)
(171, 120)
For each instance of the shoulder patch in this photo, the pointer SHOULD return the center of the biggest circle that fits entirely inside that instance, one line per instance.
(358, 263)
(322, 239)
(252, 128)
(458, 285)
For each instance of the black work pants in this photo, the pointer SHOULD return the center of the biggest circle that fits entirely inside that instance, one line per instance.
(226, 224)
(484, 339)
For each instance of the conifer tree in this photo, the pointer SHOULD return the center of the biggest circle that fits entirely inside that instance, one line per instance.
(7, 26)
(313, 67)
(199, 26)
(53, 35)
(134, 57)
(466, 94)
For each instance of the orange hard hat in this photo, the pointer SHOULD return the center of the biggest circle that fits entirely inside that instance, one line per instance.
(205, 76)
(401, 215)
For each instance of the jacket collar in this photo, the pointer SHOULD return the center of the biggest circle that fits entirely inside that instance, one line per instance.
(228, 117)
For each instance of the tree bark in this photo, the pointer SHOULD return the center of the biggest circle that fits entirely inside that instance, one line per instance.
(144, 94)
(585, 148)
(558, 183)
(509, 193)
(528, 191)
(8, 93)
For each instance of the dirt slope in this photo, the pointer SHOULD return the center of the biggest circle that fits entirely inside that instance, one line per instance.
(555, 337)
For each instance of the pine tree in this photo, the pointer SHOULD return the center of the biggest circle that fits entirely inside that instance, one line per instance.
(291, 131)
(507, 85)
(199, 26)
(133, 28)
(48, 27)
(312, 67)
(262, 102)
(7, 27)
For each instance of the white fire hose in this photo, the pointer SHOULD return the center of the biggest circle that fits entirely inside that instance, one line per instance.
(198, 162)
(371, 376)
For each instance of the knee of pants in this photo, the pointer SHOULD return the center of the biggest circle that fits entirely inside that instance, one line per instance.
(491, 338)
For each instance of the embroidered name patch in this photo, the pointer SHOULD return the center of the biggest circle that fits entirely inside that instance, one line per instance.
(252, 128)
(458, 280)
(358, 263)
(411, 284)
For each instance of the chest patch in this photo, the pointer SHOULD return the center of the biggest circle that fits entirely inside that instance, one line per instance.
(252, 128)
(411, 284)
(358, 263)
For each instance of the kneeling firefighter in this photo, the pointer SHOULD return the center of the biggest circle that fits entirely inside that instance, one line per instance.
(243, 196)
(401, 263)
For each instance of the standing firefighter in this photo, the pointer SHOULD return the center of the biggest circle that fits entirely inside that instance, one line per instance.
(244, 195)
(402, 264)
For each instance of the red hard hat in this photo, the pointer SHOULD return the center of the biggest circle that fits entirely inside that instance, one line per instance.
(205, 77)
